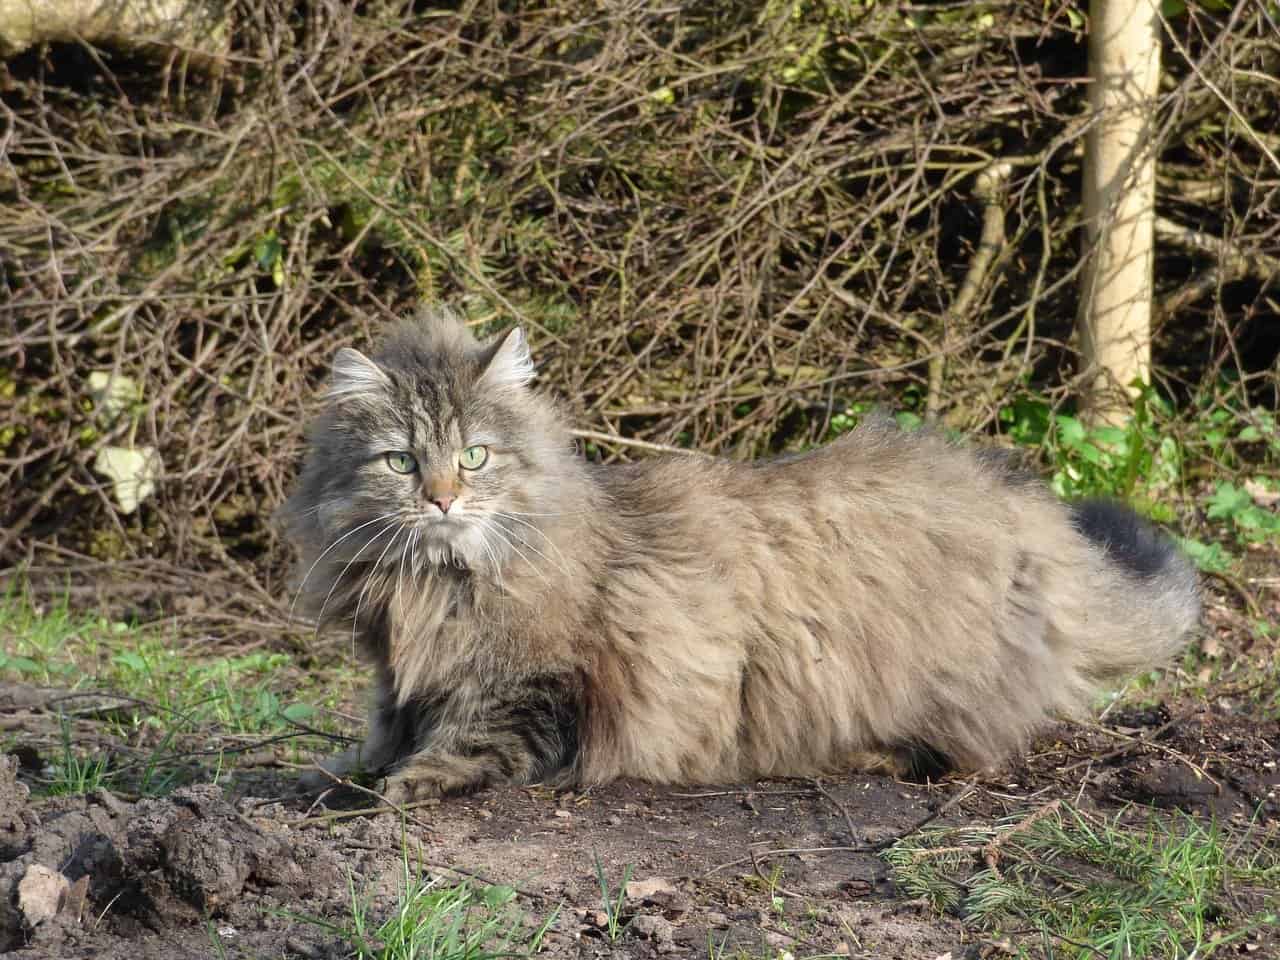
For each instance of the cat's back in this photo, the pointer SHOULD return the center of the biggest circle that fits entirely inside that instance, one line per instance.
(875, 479)
(881, 525)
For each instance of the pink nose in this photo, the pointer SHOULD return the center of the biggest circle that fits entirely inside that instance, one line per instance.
(444, 502)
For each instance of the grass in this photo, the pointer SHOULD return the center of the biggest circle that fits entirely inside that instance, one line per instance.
(167, 694)
(432, 920)
(614, 901)
(1063, 883)
(73, 773)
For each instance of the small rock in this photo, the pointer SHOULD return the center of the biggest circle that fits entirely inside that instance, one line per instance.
(658, 929)
(648, 889)
(41, 894)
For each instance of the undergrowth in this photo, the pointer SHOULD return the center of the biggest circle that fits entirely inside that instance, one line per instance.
(1060, 882)
(146, 690)
(1210, 473)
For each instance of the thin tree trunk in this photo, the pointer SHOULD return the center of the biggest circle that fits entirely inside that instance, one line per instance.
(1119, 203)
(197, 28)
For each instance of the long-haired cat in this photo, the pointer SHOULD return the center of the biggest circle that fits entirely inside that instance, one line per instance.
(535, 617)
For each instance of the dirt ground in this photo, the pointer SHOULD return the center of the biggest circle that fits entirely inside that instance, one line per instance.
(210, 870)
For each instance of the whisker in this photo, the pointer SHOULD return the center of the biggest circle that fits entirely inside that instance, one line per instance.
(559, 566)
(522, 513)
(400, 574)
(550, 542)
(491, 524)
(310, 570)
(347, 566)
(355, 617)
(497, 576)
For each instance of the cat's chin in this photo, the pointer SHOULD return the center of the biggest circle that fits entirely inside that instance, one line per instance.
(449, 542)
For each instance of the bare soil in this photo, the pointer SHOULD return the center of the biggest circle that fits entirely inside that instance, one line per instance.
(754, 870)
(168, 877)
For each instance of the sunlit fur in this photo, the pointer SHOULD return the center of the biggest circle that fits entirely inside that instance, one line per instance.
(889, 596)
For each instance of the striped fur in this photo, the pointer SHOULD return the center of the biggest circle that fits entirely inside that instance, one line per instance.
(891, 601)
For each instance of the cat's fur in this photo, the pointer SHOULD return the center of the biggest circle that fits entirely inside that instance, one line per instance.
(888, 597)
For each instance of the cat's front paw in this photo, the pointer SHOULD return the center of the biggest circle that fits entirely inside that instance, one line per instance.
(424, 778)
(402, 788)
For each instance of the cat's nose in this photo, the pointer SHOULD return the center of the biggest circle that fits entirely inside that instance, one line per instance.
(443, 501)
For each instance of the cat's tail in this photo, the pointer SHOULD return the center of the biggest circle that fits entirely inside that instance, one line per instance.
(1145, 586)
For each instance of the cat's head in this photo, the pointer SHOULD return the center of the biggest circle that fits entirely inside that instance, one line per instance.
(432, 451)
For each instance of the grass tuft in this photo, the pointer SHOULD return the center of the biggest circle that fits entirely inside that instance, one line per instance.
(1090, 887)
(432, 920)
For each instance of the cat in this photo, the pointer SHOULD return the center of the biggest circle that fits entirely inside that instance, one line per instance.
(889, 602)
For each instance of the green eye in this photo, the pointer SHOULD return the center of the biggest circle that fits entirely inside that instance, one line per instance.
(401, 462)
(473, 458)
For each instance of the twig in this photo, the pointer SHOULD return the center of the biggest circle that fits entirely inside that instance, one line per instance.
(848, 820)
(767, 881)
(1237, 261)
(991, 852)
(878, 846)
(615, 440)
(989, 187)
(1177, 755)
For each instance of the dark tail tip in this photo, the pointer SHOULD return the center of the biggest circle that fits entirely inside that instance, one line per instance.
(1130, 541)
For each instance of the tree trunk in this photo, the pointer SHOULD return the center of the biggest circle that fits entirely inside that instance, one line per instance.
(1119, 204)
(197, 28)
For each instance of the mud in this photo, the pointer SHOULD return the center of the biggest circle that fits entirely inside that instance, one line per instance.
(212, 872)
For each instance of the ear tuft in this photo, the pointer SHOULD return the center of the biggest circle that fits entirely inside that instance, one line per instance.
(354, 375)
(510, 363)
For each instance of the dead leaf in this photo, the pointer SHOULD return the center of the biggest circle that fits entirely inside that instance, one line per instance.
(112, 393)
(132, 472)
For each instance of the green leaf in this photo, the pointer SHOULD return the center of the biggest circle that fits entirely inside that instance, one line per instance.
(1071, 431)
(1209, 557)
(1227, 501)
(267, 250)
(130, 661)
(497, 896)
(20, 664)
(1112, 436)
(298, 712)
(1027, 420)
(1092, 454)
(908, 420)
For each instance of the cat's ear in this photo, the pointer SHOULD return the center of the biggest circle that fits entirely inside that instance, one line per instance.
(508, 362)
(355, 375)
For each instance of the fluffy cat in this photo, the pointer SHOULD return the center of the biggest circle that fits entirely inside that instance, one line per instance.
(887, 599)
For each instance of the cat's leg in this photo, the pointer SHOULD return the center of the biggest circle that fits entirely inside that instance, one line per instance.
(388, 734)
(525, 733)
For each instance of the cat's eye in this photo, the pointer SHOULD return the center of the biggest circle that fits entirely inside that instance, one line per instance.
(401, 462)
(473, 458)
